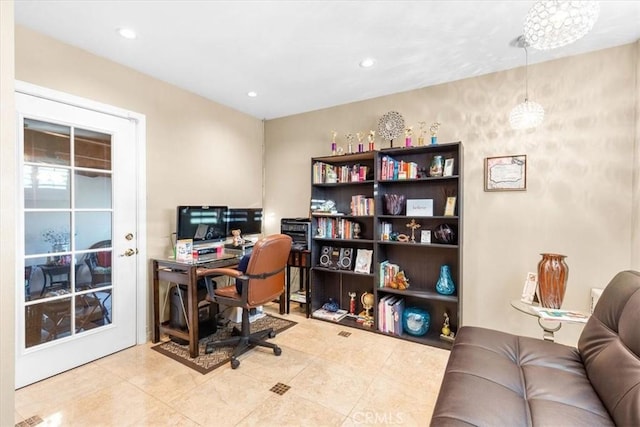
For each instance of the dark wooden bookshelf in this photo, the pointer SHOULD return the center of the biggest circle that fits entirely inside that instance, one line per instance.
(420, 262)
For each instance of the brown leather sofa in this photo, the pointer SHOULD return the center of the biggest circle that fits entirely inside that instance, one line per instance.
(498, 379)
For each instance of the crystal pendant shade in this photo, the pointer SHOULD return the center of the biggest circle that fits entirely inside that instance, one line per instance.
(556, 23)
(526, 115)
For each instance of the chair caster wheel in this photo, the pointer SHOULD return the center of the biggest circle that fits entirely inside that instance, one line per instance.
(272, 334)
(277, 351)
(235, 363)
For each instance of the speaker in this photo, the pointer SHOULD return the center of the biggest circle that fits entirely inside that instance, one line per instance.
(329, 257)
(346, 259)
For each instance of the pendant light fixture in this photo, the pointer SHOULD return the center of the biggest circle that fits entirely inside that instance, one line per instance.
(555, 23)
(528, 114)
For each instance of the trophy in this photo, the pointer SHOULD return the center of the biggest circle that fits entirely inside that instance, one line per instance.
(352, 303)
(434, 132)
(372, 139)
(421, 125)
(350, 137)
(334, 147)
(408, 133)
(360, 136)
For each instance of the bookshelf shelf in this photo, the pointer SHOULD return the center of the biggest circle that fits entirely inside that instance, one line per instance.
(420, 262)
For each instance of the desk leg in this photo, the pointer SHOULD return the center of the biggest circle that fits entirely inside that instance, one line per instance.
(288, 288)
(156, 304)
(307, 290)
(192, 313)
(548, 331)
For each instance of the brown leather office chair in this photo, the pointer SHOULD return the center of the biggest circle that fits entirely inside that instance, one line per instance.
(262, 282)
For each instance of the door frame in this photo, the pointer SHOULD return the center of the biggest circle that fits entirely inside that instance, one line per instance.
(142, 290)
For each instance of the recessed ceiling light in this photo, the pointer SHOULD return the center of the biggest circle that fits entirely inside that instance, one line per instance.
(252, 94)
(367, 62)
(127, 33)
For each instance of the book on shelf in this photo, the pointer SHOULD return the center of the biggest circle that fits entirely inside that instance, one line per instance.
(324, 173)
(392, 169)
(562, 315)
(388, 271)
(390, 308)
(335, 316)
(396, 309)
(362, 205)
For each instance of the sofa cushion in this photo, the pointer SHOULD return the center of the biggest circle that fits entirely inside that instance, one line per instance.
(610, 348)
(498, 379)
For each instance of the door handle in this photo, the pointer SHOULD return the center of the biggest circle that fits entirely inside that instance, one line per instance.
(129, 252)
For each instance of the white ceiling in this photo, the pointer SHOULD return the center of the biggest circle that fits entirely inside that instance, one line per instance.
(303, 55)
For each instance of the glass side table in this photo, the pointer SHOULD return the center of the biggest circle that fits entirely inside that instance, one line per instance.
(549, 326)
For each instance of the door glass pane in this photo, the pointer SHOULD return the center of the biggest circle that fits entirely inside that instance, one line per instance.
(46, 187)
(92, 149)
(67, 223)
(47, 233)
(93, 190)
(92, 228)
(48, 143)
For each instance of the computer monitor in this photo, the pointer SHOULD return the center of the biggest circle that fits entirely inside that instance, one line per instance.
(203, 224)
(248, 220)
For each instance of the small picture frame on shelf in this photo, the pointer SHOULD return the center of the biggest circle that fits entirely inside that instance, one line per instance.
(448, 167)
(505, 173)
(450, 207)
(425, 237)
(419, 207)
(363, 261)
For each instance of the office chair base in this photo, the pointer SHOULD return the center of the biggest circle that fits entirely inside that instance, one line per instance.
(245, 343)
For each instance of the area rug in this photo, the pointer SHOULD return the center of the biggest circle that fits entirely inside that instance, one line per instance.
(206, 363)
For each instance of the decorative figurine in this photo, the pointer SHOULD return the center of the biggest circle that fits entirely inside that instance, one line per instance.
(437, 166)
(413, 225)
(360, 136)
(421, 125)
(434, 132)
(349, 137)
(399, 281)
(447, 334)
(331, 305)
(237, 238)
(352, 303)
(408, 133)
(356, 230)
(334, 147)
(372, 139)
(367, 301)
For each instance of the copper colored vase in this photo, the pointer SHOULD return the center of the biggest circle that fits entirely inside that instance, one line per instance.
(553, 273)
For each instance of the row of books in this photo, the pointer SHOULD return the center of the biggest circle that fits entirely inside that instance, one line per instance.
(392, 169)
(385, 230)
(336, 228)
(326, 173)
(388, 271)
(390, 310)
(362, 205)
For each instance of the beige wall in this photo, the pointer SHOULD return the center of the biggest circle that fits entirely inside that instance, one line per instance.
(7, 215)
(580, 167)
(191, 141)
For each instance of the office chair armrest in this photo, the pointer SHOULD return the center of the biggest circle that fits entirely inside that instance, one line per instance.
(231, 272)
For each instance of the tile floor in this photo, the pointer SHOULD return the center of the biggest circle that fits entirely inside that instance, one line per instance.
(362, 379)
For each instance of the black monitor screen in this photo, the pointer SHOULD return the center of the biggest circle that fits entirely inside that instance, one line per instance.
(248, 220)
(201, 223)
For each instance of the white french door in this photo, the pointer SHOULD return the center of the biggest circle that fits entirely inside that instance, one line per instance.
(78, 299)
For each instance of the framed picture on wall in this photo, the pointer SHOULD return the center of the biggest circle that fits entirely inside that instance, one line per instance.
(505, 173)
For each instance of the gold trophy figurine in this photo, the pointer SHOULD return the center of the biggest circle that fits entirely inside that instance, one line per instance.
(350, 137)
(421, 125)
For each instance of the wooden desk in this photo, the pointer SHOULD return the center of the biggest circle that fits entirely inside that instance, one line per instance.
(180, 273)
(301, 260)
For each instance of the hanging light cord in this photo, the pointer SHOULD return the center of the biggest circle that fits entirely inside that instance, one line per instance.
(526, 74)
